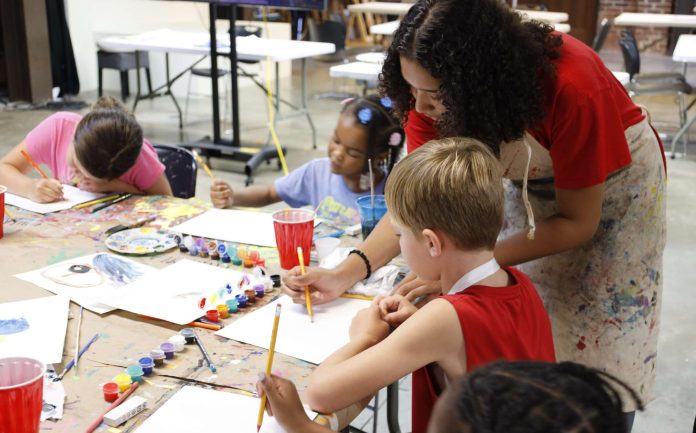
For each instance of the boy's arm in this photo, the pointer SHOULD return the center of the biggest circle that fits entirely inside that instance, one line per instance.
(364, 366)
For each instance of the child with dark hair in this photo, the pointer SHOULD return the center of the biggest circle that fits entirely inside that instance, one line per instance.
(502, 397)
(366, 130)
(104, 151)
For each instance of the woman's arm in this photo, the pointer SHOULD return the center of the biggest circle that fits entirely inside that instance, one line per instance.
(579, 212)
(13, 174)
(367, 363)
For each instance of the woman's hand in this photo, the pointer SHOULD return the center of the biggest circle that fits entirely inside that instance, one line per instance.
(395, 309)
(46, 191)
(324, 285)
(369, 326)
(413, 287)
(221, 194)
(283, 403)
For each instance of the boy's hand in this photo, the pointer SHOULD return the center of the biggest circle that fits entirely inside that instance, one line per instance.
(283, 402)
(221, 194)
(395, 309)
(368, 325)
(47, 191)
(412, 287)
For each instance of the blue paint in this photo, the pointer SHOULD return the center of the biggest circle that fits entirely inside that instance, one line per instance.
(116, 269)
(13, 326)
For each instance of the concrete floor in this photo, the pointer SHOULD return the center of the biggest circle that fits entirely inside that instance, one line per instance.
(675, 407)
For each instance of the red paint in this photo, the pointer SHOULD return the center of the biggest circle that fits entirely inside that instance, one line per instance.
(213, 315)
(110, 391)
(581, 343)
(201, 304)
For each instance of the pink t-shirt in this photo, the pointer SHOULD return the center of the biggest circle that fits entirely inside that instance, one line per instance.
(49, 143)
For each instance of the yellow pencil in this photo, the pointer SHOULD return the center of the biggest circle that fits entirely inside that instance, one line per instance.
(352, 296)
(308, 300)
(202, 163)
(269, 364)
(96, 201)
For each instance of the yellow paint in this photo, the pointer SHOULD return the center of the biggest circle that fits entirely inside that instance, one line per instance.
(95, 227)
(146, 230)
(172, 366)
(140, 250)
(113, 430)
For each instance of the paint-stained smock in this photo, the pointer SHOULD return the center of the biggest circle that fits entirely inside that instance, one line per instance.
(604, 297)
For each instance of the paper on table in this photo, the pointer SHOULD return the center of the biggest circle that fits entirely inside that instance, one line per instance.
(173, 293)
(90, 288)
(254, 228)
(297, 336)
(73, 197)
(34, 328)
(194, 409)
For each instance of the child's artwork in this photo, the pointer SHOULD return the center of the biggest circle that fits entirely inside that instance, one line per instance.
(34, 328)
(73, 197)
(297, 336)
(89, 280)
(194, 409)
(245, 227)
(174, 293)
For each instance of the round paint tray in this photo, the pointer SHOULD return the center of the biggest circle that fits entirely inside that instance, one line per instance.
(142, 240)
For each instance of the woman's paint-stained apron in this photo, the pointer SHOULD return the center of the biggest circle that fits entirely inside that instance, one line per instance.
(603, 298)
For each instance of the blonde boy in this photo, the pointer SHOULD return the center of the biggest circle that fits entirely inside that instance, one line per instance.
(446, 203)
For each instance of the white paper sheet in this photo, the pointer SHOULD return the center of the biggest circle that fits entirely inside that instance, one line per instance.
(73, 197)
(253, 228)
(194, 409)
(92, 297)
(173, 293)
(297, 336)
(34, 328)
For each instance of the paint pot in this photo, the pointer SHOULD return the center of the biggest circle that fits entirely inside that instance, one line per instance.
(236, 261)
(259, 289)
(203, 252)
(248, 263)
(276, 280)
(226, 258)
(254, 255)
(123, 381)
(241, 300)
(183, 248)
(178, 341)
(232, 305)
(223, 311)
(242, 252)
(110, 390)
(261, 262)
(212, 315)
(214, 255)
(251, 296)
(193, 250)
(157, 355)
(189, 335)
(135, 372)
(168, 349)
(146, 363)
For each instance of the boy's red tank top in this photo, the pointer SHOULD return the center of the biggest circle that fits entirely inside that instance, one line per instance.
(498, 323)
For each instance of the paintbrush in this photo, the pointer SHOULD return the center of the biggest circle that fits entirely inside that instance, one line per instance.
(9, 215)
(72, 361)
(205, 353)
(308, 299)
(139, 223)
(202, 163)
(107, 204)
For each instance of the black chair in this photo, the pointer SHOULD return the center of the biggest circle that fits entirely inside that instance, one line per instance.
(602, 33)
(180, 168)
(631, 56)
(123, 62)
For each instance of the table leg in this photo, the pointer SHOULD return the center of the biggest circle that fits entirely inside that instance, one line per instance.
(169, 91)
(393, 408)
(137, 76)
(304, 103)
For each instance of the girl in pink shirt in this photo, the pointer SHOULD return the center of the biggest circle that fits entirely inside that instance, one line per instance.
(104, 151)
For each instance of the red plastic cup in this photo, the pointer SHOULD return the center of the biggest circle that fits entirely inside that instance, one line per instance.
(2, 209)
(21, 394)
(293, 228)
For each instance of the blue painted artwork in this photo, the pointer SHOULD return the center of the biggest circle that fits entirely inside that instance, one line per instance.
(116, 269)
(13, 326)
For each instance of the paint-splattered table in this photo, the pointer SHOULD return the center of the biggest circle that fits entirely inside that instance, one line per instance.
(35, 241)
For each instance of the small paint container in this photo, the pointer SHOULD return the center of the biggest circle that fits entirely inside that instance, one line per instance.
(259, 289)
(254, 255)
(276, 280)
(248, 263)
(241, 300)
(203, 252)
(261, 262)
(123, 381)
(135, 372)
(232, 305)
(236, 260)
(221, 248)
(146, 363)
(178, 341)
(214, 255)
(158, 356)
(183, 248)
(168, 349)
(193, 250)
(212, 315)
(226, 258)
(189, 335)
(223, 311)
(110, 390)
(251, 296)
(242, 252)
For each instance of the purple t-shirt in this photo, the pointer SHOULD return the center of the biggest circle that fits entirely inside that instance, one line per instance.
(314, 184)
(50, 141)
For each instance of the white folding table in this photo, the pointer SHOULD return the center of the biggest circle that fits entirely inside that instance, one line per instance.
(684, 51)
(388, 28)
(633, 19)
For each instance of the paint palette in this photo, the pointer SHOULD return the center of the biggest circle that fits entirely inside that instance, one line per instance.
(143, 240)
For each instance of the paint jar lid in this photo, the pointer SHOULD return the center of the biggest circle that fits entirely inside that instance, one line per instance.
(187, 332)
(258, 287)
(110, 387)
(134, 370)
(223, 307)
(146, 361)
(276, 280)
(231, 303)
(167, 346)
(177, 338)
(123, 378)
(157, 354)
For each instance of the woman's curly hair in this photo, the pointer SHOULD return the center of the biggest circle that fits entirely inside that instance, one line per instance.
(493, 67)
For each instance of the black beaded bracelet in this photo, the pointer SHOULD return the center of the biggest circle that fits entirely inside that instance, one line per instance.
(365, 259)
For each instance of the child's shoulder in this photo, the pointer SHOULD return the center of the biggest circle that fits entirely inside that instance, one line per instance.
(64, 117)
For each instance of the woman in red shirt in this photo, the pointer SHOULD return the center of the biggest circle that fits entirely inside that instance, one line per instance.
(584, 174)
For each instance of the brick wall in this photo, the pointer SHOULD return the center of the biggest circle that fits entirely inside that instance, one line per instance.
(655, 38)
